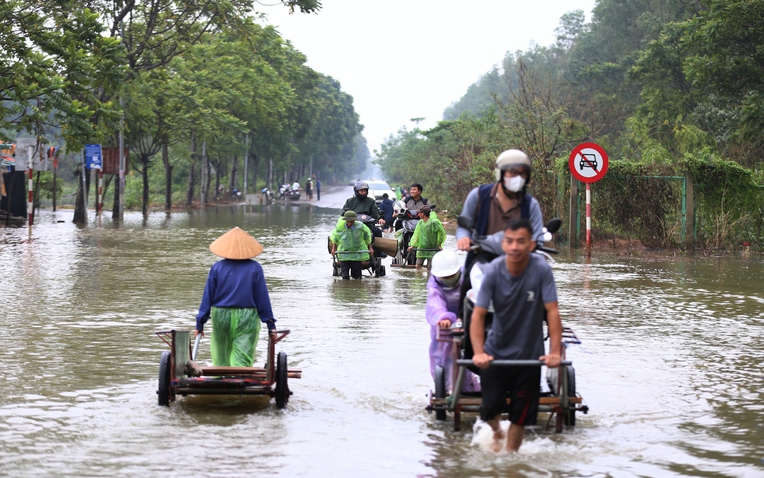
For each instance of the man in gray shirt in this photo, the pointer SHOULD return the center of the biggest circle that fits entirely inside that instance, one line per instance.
(521, 286)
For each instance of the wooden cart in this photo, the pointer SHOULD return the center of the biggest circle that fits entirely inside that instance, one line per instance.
(179, 376)
(561, 402)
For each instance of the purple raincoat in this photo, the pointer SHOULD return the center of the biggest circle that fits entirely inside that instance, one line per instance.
(442, 304)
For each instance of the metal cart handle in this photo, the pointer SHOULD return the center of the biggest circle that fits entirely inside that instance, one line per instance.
(512, 363)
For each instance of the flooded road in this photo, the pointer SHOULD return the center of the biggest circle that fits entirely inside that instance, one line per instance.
(670, 365)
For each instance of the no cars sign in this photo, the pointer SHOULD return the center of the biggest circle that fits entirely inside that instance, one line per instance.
(588, 162)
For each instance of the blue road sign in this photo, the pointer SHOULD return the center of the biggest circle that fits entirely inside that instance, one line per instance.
(93, 156)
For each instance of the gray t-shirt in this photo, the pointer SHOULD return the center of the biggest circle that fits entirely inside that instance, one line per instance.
(517, 329)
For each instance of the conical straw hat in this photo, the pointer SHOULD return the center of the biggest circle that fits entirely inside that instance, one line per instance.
(236, 244)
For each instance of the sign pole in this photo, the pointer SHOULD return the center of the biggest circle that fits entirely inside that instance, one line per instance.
(588, 219)
(100, 192)
(30, 200)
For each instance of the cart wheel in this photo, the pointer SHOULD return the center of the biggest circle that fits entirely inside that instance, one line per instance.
(440, 390)
(163, 391)
(335, 271)
(382, 271)
(282, 389)
(569, 416)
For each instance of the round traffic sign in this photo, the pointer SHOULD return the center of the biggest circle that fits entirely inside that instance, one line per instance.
(588, 162)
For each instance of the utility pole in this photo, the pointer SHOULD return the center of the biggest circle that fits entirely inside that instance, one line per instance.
(119, 187)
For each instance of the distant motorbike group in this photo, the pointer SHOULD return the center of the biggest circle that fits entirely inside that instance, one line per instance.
(287, 193)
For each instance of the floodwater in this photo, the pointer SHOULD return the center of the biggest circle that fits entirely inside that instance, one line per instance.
(670, 365)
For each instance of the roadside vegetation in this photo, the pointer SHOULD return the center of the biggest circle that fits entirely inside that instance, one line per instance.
(199, 87)
(669, 88)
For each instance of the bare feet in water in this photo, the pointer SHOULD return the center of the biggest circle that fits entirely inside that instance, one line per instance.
(498, 441)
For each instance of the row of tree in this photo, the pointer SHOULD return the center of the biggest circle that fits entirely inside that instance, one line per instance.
(203, 85)
(668, 87)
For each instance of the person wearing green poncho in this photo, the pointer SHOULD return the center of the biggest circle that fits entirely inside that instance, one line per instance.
(350, 241)
(236, 300)
(429, 235)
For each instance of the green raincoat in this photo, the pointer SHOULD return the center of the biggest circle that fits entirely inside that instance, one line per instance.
(356, 238)
(428, 235)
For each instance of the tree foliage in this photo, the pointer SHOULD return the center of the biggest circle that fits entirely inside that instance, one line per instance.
(182, 74)
(656, 82)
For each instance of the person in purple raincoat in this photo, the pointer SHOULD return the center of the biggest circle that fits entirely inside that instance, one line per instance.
(442, 312)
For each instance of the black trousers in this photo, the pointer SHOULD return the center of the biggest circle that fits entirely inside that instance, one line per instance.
(350, 268)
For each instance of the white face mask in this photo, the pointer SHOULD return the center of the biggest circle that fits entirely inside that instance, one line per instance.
(514, 184)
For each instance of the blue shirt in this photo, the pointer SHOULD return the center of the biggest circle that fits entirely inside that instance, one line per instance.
(387, 209)
(239, 284)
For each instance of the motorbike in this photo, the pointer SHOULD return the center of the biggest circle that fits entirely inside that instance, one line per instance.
(235, 194)
(407, 219)
(288, 194)
(267, 196)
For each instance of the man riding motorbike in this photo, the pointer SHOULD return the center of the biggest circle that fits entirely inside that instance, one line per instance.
(361, 203)
(415, 200)
(489, 207)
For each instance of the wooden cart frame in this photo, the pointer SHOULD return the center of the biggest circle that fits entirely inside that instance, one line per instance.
(178, 377)
(562, 403)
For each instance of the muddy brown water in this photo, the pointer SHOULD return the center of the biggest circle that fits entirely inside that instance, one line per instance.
(670, 365)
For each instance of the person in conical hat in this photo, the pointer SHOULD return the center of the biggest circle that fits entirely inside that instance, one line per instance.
(236, 299)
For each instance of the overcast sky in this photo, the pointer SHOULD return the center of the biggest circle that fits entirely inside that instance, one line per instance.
(403, 59)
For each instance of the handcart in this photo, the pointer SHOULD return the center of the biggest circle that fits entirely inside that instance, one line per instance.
(180, 375)
(373, 265)
(561, 401)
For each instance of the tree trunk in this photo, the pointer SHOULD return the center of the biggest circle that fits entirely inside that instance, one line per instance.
(106, 182)
(168, 178)
(145, 197)
(255, 164)
(218, 169)
(191, 170)
(234, 170)
(80, 212)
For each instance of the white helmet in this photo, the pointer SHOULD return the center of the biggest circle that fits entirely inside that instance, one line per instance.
(445, 263)
(509, 158)
(399, 206)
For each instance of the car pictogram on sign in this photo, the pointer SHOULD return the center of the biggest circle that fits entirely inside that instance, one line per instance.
(588, 161)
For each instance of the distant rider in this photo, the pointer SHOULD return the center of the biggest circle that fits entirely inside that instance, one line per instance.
(429, 237)
(353, 237)
(442, 312)
(387, 210)
(414, 200)
(361, 203)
